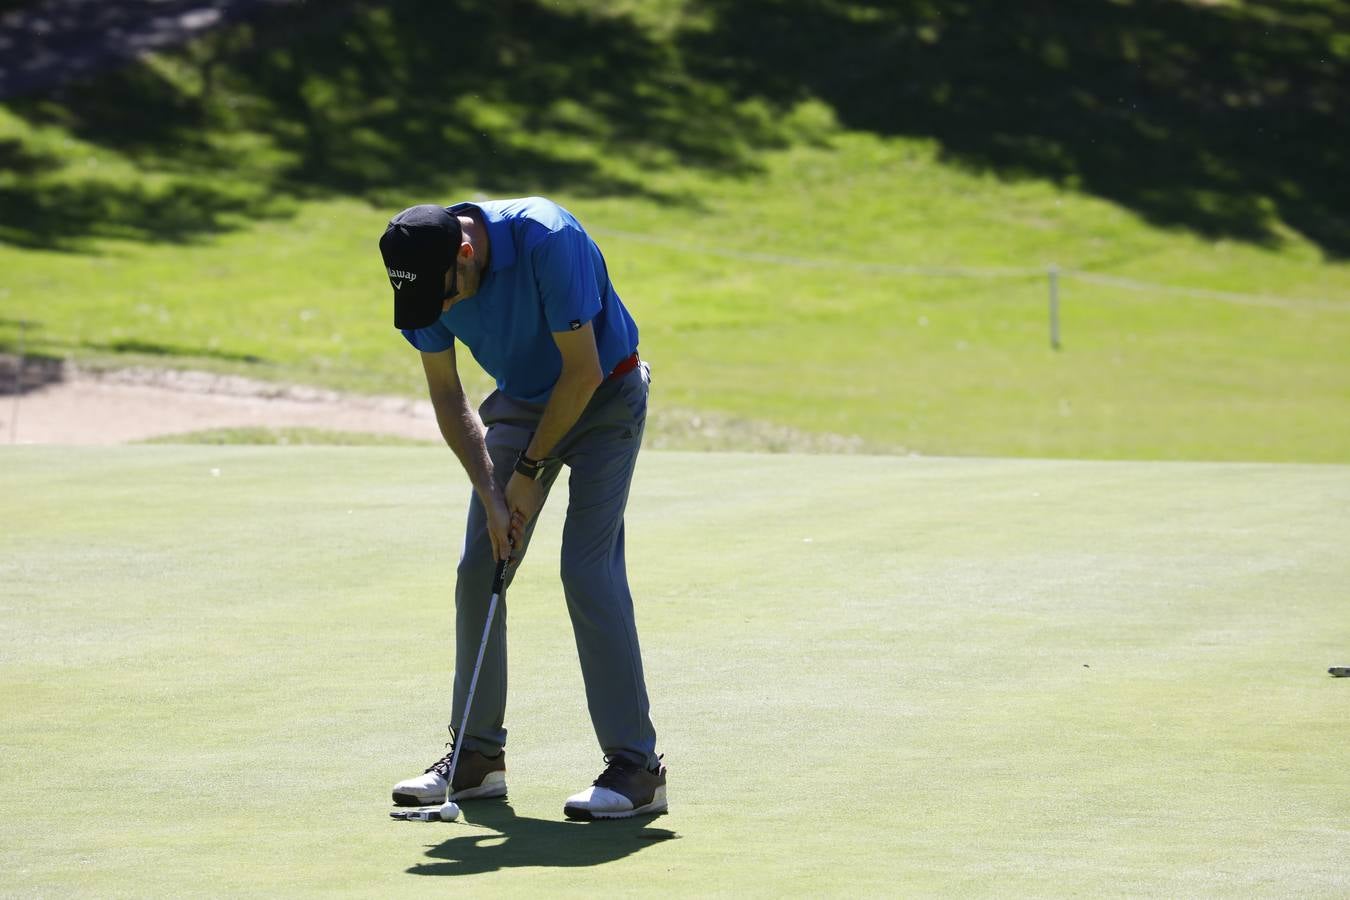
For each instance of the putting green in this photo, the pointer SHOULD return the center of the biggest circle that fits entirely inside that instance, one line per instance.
(871, 676)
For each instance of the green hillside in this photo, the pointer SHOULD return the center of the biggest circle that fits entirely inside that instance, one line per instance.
(830, 216)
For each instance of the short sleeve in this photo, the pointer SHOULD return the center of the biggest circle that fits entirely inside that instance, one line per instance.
(564, 265)
(432, 339)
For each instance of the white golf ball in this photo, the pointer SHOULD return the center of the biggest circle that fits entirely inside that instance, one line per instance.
(449, 811)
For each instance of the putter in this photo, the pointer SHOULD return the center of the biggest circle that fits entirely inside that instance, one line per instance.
(498, 585)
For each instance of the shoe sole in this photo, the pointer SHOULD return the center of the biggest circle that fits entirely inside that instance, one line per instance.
(494, 785)
(582, 814)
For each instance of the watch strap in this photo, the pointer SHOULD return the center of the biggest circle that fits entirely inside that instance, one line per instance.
(530, 468)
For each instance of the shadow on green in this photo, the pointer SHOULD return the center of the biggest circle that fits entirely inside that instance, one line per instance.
(516, 841)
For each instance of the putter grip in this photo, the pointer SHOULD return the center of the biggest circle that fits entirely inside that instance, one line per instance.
(499, 579)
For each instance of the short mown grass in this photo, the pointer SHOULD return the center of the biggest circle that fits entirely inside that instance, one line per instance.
(870, 676)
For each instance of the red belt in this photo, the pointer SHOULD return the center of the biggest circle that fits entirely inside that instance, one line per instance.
(626, 365)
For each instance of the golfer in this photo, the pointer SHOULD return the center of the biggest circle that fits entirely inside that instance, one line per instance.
(521, 284)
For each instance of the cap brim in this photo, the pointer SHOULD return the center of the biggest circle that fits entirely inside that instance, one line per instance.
(416, 309)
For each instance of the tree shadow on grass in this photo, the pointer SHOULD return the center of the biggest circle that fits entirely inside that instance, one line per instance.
(31, 372)
(28, 346)
(22, 368)
(500, 839)
(367, 100)
(150, 348)
(49, 42)
(1224, 119)
(1220, 118)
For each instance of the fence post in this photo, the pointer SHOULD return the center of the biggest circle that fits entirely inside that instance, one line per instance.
(1054, 307)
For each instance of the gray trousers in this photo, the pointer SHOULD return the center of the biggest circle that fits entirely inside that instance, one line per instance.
(601, 451)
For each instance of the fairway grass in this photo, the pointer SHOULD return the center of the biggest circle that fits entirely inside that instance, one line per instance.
(871, 676)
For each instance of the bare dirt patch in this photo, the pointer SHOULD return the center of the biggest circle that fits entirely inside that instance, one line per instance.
(50, 401)
(78, 406)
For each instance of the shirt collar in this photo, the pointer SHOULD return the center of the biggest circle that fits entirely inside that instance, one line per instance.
(501, 247)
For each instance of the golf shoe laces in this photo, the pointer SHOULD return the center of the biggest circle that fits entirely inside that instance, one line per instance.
(442, 766)
(618, 771)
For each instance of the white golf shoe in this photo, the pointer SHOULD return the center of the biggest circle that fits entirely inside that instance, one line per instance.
(624, 789)
(476, 777)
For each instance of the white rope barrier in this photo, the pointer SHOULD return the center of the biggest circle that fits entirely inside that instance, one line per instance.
(1052, 273)
(983, 272)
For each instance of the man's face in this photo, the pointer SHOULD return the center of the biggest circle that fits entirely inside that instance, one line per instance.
(469, 274)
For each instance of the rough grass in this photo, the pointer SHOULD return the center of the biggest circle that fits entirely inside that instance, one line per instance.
(285, 437)
(923, 363)
(230, 210)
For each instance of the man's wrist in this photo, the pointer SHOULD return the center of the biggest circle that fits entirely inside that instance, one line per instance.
(490, 491)
(532, 469)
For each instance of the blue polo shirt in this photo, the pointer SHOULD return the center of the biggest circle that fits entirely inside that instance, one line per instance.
(545, 274)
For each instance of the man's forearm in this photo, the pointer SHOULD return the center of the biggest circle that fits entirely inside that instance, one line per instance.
(464, 434)
(565, 405)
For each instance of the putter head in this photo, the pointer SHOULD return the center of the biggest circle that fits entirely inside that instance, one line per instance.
(419, 814)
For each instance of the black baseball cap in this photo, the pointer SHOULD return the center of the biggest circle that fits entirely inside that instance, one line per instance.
(419, 247)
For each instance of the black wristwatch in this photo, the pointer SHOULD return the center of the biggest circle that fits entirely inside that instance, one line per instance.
(532, 469)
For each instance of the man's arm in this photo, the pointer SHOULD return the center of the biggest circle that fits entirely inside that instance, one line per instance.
(464, 434)
(580, 377)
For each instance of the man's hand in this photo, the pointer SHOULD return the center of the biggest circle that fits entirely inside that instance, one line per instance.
(524, 496)
(499, 526)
